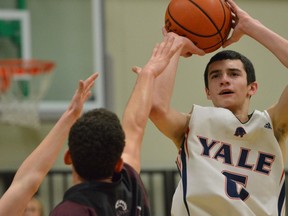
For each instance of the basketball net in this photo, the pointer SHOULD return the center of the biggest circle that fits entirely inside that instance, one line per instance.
(23, 83)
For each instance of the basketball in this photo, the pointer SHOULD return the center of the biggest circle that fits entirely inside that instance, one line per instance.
(206, 23)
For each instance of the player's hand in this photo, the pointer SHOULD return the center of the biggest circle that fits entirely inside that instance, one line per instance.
(188, 47)
(239, 19)
(83, 92)
(161, 56)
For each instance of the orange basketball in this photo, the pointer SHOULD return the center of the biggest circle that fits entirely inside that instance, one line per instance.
(206, 23)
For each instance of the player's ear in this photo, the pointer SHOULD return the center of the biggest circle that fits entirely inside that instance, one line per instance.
(253, 87)
(207, 93)
(67, 157)
(119, 165)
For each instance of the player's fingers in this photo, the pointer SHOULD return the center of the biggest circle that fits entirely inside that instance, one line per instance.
(229, 42)
(168, 46)
(193, 49)
(164, 31)
(199, 52)
(232, 5)
(136, 69)
(86, 86)
(87, 95)
(156, 49)
(90, 80)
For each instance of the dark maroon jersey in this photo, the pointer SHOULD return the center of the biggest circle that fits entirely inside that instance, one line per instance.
(125, 196)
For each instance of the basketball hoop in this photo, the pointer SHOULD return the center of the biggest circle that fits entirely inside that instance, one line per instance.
(23, 83)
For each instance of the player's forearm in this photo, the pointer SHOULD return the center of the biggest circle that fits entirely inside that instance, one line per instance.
(135, 118)
(139, 105)
(40, 161)
(164, 86)
(33, 170)
(272, 41)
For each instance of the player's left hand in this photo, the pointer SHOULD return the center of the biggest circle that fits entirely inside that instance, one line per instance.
(239, 19)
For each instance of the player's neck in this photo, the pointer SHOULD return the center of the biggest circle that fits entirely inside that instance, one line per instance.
(78, 180)
(107, 180)
(241, 113)
(242, 117)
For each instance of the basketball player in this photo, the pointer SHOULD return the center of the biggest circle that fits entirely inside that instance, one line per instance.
(105, 182)
(36, 166)
(231, 161)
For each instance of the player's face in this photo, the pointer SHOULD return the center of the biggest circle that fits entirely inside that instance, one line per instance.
(227, 85)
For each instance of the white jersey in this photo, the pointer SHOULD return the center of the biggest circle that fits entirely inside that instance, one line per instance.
(228, 167)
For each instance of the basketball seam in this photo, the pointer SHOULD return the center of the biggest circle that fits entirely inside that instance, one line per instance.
(199, 35)
(218, 30)
(224, 21)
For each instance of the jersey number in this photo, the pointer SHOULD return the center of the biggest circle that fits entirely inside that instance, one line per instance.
(235, 186)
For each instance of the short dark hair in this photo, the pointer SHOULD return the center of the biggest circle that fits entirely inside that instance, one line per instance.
(96, 142)
(232, 55)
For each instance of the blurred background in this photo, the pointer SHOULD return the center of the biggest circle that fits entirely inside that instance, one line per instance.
(111, 36)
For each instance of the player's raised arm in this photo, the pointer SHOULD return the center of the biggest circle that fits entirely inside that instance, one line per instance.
(246, 25)
(35, 167)
(139, 105)
(170, 122)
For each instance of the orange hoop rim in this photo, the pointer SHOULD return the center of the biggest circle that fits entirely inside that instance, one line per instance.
(4, 80)
(27, 66)
(12, 67)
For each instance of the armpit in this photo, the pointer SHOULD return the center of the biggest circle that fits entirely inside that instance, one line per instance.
(281, 132)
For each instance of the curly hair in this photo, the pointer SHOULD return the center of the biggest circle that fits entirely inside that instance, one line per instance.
(96, 142)
(232, 55)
